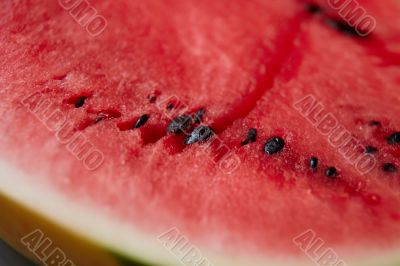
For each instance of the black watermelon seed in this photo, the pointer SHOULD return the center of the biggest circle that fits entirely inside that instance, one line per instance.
(313, 8)
(170, 106)
(331, 172)
(343, 27)
(389, 168)
(374, 123)
(180, 124)
(394, 138)
(199, 134)
(314, 163)
(274, 145)
(198, 116)
(370, 149)
(251, 136)
(80, 101)
(141, 121)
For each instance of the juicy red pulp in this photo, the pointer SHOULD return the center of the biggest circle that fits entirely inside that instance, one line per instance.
(210, 74)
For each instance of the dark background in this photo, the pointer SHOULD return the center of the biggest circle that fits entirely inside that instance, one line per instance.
(8, 257)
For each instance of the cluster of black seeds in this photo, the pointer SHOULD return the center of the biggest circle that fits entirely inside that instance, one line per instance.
(186, 124)
(276, 144)
(330, 172)
(272, 146)
(393, 139)
(180, 123)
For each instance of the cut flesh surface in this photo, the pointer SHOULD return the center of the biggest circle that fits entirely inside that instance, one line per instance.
(267, 65)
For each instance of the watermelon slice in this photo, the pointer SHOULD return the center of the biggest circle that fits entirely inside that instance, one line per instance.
(199, 132)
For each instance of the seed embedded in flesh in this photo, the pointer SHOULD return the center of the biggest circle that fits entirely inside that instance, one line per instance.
(331, 172)
(374, 123)
(251, 136)
(198, 116)
(314, 163)
(80, 101)
(394, 138)
(370, 149)
(274, 145)
(199, 134)
(343, 27)
(313, 8)
(389, 168)
(180, 124)
(141, 121)
(170, 106)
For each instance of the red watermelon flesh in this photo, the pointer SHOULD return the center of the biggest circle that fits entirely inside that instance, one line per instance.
(247, 64)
